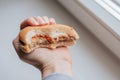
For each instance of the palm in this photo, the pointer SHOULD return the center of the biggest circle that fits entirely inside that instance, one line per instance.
(46, 56)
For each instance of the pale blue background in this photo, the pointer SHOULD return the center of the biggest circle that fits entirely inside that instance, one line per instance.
(91, 60)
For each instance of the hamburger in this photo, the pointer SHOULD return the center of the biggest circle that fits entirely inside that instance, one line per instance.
(48, 36)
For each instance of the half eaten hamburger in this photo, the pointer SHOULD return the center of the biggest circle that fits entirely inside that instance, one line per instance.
(49, 36)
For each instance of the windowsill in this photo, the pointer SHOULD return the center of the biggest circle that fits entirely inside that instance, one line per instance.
(97, 20)
(103, 16)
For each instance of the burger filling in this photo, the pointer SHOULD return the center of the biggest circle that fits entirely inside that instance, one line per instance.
(46, 40)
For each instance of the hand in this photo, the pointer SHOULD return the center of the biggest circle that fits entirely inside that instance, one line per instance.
(48, 61)
(41, 21)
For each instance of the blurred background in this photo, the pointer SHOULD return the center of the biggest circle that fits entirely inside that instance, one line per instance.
(91, 59)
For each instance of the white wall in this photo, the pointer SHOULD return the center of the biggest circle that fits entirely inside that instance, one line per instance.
(91, 60)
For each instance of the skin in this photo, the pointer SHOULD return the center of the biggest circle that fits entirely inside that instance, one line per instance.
(46, 60)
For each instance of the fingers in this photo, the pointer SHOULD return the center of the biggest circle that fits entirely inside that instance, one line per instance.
(28, 22)
(41, 21)
(46, 20)
(52, 21)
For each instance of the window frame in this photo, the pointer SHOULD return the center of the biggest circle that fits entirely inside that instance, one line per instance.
(97, 20)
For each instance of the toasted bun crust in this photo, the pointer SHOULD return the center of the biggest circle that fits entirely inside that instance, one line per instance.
(53, 31)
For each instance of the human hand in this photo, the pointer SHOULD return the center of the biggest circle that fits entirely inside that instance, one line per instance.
(47, 60)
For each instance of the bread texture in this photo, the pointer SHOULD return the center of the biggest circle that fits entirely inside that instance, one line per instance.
(49, 36)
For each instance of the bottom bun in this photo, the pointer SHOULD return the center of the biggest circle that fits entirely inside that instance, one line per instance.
(28, 49)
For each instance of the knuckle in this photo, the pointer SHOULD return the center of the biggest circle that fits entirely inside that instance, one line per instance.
(29, 19)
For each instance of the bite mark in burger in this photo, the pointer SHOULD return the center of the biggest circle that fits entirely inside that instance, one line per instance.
(49, 36)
